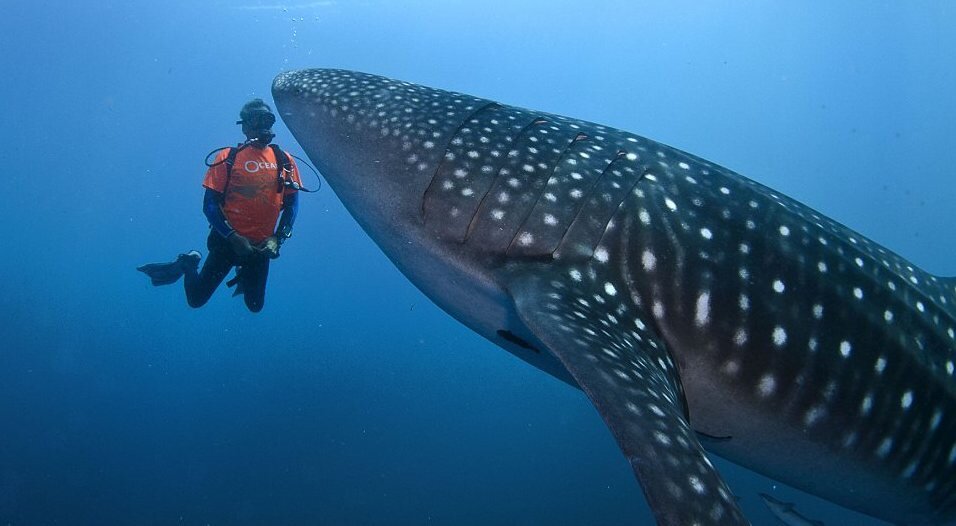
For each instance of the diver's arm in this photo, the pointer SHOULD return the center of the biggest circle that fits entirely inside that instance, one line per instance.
(212, 207)
(290, 208)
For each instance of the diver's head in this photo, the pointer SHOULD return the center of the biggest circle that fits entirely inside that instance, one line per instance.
(256, 118)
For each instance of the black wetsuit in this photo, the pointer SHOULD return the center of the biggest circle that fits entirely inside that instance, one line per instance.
(252, 274)
(252, 270)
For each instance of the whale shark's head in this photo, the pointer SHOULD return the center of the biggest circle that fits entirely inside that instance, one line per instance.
(376, 140)
(409, 162)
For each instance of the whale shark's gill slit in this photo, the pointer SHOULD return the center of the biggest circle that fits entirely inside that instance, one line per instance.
(594, 184)
(599, 205)
(456, 135)
(474, 155)
(524, 230)
(531, 164)
(502, 171)
(575, 172)
(619, 209)
(510, 337)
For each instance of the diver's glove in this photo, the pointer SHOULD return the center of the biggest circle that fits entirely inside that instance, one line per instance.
(240, 244)
(269, 247)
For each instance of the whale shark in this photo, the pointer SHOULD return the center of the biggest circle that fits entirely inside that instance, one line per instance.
(697, 309)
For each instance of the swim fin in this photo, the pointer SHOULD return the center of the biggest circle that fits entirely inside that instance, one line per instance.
(162, 273)
(169, 273)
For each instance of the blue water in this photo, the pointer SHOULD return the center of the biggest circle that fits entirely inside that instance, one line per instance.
(351, 399)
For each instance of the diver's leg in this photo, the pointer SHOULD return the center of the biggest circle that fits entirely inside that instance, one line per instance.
(255, 273)
(201, 284)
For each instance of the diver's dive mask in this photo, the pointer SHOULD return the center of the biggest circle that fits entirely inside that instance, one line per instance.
(257, 119)
(258, 126)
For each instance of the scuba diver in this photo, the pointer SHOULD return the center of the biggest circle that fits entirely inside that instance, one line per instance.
(248, 188)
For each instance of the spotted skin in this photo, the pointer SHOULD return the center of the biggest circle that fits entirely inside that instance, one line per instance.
(684, 299)
(556, 208)
(470, 168)
(637, 393)
(518, 187)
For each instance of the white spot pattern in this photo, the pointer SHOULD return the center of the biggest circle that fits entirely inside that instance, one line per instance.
(849, 267)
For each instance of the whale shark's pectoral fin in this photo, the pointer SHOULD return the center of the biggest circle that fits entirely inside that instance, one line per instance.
(624, 368)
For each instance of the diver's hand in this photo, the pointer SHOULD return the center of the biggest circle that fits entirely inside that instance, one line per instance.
(269, 247)
(240, 244)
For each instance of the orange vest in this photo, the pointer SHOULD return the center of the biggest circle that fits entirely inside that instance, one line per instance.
(251, 201)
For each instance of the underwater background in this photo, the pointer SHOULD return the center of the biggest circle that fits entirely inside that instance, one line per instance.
(351, 399)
